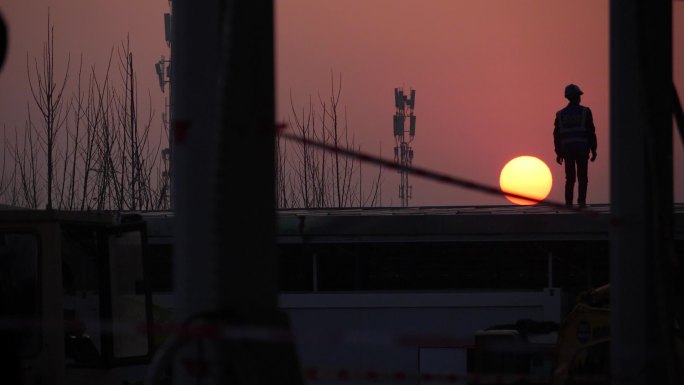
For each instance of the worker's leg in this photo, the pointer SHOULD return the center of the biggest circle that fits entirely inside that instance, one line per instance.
(569, 179)
(582, 180)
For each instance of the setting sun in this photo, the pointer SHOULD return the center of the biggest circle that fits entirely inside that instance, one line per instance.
(528, 176)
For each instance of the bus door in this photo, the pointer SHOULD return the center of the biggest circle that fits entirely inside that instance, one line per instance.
(29, 324)
(107, 303)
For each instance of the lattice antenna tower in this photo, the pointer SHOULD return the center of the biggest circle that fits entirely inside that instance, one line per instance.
(163, 70)
(403, 152)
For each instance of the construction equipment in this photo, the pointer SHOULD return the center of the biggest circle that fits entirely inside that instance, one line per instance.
(75, 303)
(583, 348)
(575, 352)
(520, 353)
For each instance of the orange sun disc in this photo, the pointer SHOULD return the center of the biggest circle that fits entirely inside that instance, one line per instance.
(527, 176)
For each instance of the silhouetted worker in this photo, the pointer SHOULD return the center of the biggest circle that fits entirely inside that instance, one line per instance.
(574, 136)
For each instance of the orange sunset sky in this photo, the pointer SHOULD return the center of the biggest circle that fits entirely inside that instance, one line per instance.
(489, 75)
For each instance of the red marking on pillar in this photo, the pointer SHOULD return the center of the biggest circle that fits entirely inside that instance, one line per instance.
(197, 368)
(343, 374)
(311, 373)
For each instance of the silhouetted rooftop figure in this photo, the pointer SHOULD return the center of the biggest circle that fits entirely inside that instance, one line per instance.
(574, 137)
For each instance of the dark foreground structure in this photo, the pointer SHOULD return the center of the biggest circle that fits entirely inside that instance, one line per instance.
(386, 290)
(407, 289)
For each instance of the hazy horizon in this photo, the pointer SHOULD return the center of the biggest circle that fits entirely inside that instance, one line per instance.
(488, 76)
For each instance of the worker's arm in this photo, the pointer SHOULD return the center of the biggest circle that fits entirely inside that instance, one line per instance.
(591, 134)
(556, 141)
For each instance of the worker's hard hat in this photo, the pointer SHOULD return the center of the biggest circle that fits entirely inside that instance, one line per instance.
(571, 90)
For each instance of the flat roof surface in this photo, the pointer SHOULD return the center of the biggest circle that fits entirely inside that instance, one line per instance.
(439, 223)
(449, 210)
(458, 223)
(14, 215)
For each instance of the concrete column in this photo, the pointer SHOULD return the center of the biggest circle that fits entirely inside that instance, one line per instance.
(224, 126)
(641, 192)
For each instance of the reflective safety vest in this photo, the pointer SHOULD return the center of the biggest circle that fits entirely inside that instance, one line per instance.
(572, 129)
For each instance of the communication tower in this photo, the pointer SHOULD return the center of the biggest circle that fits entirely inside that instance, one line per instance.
(403, 152)
(163, 70)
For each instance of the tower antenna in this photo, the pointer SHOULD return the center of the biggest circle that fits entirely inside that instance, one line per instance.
(403, 152)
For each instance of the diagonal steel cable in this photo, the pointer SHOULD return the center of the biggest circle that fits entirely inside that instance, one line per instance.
(423, 172)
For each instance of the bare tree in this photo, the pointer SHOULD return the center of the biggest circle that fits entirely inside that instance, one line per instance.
(283, 180)
(124, 162)
(47, 95)
(78, 115)
(135, 160)
(7, 174)
(314, 178)
(26, 160)
(87, 151)
(93, 113)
